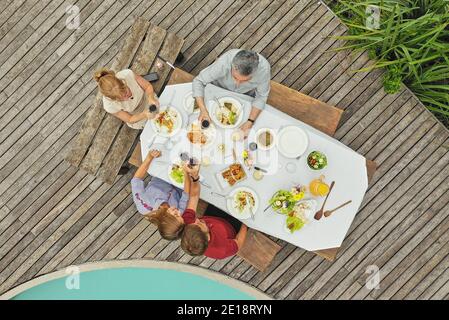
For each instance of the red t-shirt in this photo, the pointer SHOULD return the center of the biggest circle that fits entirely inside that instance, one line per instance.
(222, 235)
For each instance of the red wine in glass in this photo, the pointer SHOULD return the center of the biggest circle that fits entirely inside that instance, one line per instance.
(153, 108)
(205, 124)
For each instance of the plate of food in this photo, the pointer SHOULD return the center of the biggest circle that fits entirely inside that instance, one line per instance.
(228, 114)
(265, 138)
(199, 137)
(316, 160)
(176, 175)
(167, 122)
(282, 201)
(190, 104)
(242, 202)
(301, 215)
(231, 175)
(292, 141)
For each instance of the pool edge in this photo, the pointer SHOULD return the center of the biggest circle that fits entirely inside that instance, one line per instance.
(139, 263)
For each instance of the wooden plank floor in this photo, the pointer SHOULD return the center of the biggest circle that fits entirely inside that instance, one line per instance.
(52, 215)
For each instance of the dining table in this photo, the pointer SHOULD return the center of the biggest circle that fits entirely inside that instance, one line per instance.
(281, 171)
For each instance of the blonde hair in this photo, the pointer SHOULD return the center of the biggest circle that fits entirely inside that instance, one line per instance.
(170, 228)
(109, 85)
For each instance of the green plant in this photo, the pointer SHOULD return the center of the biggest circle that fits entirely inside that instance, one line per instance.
(411, 44)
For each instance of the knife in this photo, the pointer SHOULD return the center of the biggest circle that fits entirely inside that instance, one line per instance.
(260, 169)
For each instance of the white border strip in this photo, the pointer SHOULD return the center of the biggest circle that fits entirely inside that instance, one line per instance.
(100, 265)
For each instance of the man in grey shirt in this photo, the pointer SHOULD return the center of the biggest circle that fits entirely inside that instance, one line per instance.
(241, 71)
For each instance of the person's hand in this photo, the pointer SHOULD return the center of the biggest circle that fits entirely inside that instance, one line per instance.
(246, 127)
(147, 114)
(151, 98)
(153, 153)
(192, 171)
(204, 115)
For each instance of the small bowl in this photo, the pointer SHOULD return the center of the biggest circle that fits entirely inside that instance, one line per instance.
(321, 155)
(260, 145)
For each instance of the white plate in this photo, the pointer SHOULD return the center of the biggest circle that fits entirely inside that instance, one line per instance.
(308, 213)
(259, 132)
(211, 134)
(176, 184)
(214, 109)
(292, 141)
(246, 214)
(189, 102)
(177, 124)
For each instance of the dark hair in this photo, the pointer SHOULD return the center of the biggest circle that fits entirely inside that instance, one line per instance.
(194, 241)
(170, 228)
(245, 62)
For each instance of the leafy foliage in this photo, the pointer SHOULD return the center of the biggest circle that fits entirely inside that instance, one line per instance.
(411, 44)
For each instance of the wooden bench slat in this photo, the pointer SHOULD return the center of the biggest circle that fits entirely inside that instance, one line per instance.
(258, 250)
(96, 114)
(169, 50)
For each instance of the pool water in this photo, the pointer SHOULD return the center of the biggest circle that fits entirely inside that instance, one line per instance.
(134, 283)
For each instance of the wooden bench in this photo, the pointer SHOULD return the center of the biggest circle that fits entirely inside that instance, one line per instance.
(259, 250)
(104, 141)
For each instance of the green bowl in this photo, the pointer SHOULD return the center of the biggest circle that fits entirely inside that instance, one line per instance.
(316, 160)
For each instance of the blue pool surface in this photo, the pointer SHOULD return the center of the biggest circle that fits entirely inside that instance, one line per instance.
(134, 283)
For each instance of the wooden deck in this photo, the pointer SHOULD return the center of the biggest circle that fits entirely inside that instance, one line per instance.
(53, 215)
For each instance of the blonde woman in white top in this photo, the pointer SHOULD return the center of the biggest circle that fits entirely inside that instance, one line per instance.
(127, 96)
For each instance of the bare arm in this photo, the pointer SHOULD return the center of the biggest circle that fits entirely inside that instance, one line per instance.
(132, 118)
(148, 88)
(194, 192)
(143, 169)
(144, 84)
(254, 113)
(241, 236)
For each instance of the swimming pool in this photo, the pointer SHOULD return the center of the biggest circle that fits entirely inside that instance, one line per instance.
(134, 279)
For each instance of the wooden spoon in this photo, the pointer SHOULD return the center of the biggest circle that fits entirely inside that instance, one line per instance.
(320, 212)
(327, 213)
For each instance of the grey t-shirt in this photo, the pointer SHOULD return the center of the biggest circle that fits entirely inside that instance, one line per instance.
(219, 73)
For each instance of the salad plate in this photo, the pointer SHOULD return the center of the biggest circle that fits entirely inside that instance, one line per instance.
(241, 202)
(229, 114)
(292, 141)
(300, 216)
(167, 122)
(176, 175)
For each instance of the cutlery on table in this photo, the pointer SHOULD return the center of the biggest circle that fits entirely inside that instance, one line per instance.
(221, 195)
(268, 207)
(205, 184)
(218, 102)
(260, 169)
(320, 212)
(327, 213)
(253, 217)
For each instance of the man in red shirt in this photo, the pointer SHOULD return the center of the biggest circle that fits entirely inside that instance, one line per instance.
(211, 236)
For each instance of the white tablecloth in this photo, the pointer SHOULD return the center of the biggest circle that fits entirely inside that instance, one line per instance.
(345, 167)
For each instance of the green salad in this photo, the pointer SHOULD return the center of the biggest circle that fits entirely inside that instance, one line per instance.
(177, 174)
(294, 223)
(282, 201)
(317, 160)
